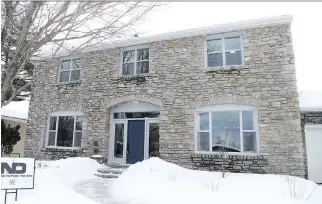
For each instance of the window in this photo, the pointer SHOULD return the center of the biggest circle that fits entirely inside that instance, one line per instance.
(224, 52)
(229, 128)
(127, 115)
(69, 70)
(135, 61)
(65, 130)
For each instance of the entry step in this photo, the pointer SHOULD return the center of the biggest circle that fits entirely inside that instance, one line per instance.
(118, 166)
(104, 175)
(111, 171)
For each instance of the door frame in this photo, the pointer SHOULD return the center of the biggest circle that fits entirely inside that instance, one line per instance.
(111, 158)
(147, 121)
(147, 135)
(130, 107)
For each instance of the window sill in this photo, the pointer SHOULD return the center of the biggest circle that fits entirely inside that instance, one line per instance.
(139, 78)
(239, 155)
(227, 68)
(136, 76)
(63, 149)
(68, 83)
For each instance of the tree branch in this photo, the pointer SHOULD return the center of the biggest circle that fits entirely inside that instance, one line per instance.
(15, 94)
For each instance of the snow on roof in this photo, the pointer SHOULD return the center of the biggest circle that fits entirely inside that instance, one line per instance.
(219, 28)
(16, 109)
(310, 100)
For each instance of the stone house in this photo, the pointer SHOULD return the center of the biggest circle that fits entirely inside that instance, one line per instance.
(182, 96)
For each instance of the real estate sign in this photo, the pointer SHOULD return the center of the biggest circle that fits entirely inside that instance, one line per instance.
(17, 173)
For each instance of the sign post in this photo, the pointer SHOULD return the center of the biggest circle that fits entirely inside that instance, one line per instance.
(16, 174)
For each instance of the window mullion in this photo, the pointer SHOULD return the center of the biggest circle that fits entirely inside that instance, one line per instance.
(256, 128)
(223, 51)
(135, 55)
(57, 118)
(249, 130)
(241, 132)
(231, 50)
(74, 131)
(70, 70)
(59, 70)
(48, 133)
(215, 52)
(210, 131)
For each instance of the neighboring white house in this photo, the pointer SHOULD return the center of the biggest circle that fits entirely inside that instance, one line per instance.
(16, 113)
(311, 122)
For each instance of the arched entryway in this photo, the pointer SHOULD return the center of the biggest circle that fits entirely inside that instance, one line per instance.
(134, 131)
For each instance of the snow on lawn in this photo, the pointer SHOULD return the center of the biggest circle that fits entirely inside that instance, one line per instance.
(155, 181)
(54, 181)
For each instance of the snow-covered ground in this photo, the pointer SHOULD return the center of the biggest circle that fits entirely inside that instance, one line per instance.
(55, 181)
(155, 181)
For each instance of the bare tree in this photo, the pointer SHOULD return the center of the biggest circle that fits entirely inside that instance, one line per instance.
(30, 28)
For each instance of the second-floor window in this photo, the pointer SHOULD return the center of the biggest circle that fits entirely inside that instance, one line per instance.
(224, 52)
(135, 61)
(69, 70)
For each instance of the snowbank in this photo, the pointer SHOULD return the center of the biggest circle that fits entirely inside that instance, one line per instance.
(155, 181)
(54, 182)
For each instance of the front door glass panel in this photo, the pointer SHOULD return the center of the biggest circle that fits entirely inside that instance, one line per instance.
(154, 140)
(119, 140)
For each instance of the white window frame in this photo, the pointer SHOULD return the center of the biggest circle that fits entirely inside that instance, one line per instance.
(57, 115)
(70, 70)
(227, 107)
(135, 48)
(223, 51)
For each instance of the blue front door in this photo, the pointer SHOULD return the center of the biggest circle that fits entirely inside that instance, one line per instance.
(135, 141)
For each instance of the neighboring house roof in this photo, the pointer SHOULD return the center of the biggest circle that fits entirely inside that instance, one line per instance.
(14, 119)
(16, 109)
(310, 100)
(219, 28)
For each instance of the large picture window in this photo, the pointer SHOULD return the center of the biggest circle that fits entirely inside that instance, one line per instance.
(229, 128)
(65, 131)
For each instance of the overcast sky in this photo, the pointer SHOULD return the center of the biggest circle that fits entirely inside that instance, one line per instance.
(306, 27)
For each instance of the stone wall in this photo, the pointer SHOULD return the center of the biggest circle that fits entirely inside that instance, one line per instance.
(179, 83)
(308, 117)
(233, 163)
(56, 153)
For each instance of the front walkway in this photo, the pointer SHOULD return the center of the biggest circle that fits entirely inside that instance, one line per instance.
(95, 189)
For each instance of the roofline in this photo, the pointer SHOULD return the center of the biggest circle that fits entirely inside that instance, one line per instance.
(219, 28)
(311, 109)
(21, 120)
